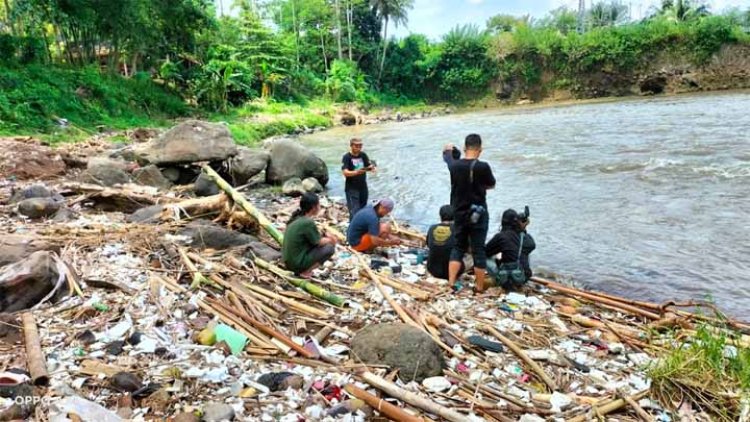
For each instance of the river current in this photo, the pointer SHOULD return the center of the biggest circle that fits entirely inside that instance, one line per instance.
(645, 198)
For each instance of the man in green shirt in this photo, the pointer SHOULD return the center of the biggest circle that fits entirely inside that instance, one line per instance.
(304, 249)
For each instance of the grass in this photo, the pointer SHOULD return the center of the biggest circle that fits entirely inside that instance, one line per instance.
(711, 370)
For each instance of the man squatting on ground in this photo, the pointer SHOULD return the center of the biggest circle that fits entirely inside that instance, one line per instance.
(366, 232)
(470, 180)
(354, 165)
(304, 248)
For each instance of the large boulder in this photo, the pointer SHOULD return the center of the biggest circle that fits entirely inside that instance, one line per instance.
(34, 191)
(293, 187)
(247, 163)
(14, 247)
(408, 349)
(291, 159)
(311, 184)
(189, 142)
(208, 235)
(106, 172)
(29, 160)
(204, 186)
(39, 207)
(151, 176)
(27, 282)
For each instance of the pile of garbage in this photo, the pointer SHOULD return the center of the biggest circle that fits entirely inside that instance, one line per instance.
(128, 302)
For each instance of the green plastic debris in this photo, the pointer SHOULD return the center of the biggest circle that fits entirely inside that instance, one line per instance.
(233, 338)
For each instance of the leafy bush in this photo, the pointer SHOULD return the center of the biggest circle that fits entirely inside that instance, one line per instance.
(464, 68)
(345, 83)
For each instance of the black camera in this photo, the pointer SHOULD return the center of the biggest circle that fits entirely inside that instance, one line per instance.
(456, 153)
(524, 216)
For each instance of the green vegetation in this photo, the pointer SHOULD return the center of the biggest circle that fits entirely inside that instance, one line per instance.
(711, 369)
(147, 61)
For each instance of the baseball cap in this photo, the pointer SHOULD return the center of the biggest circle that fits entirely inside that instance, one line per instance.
(386, 203)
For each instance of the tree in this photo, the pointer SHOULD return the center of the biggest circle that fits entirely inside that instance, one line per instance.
(610, 13)
(506, 23)
(563, 19)
(683, 10)
(390, 10)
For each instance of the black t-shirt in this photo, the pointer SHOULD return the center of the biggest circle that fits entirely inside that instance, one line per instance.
(440, 241)
(350, 162)
(465, 190)
(507, 243)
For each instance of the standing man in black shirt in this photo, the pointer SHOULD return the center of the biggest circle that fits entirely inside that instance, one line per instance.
(470, 179)
(355, 165)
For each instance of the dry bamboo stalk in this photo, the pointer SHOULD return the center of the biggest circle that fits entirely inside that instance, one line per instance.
(279, 336)
(524, 357)
(323, 333)
(411, 291)
(597, 299)
(648, 305)
(382, 406)
(412, 398)
(608, 408)
(247, 296)
(34, 355)
(591, 323)
(287, 301)
(227, 317)
(198, 277)
(638, 409)
(491, 391)
(374, 277)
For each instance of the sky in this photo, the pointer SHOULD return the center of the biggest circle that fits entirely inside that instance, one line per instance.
(436, 17)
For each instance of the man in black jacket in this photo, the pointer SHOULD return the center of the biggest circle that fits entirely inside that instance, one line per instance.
(507, 242)
(470, 180)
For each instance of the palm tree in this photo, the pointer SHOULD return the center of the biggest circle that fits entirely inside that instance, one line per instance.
(390, 10)
(683, 10)
(609, 13)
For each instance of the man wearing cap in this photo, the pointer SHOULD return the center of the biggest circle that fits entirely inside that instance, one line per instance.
(354, 165)
(366, 232)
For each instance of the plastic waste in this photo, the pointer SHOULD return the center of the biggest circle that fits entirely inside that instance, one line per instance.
(233, 338)
(436, 384)
(86, 411)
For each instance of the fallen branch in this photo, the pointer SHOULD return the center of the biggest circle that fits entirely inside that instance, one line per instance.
(34, 355)
(608, 408)
(382, 406)
(524, 357)
(289, 302)
(238, 198)
(412, 398)
(376, 280)
(636, 407)
(303, 284)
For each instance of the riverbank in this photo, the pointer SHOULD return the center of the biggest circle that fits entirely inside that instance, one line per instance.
(170, 308)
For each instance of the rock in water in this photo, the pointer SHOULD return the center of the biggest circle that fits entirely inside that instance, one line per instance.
(151, 176)
(408, 349)
(215, 412)
(189, 142)
(205, 186)
(293, 187)
(247, 163)
(38, 207)
(291, 159)
(25, 283)
(311, 184)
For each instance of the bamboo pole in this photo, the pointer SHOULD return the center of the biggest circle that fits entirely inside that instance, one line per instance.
(411, 291)
(382, 406)
(34, 354)
(396, 307)
(287, 301)
(524, 357)
(412, 398)
(591, 323)
(305, 285)
(608, 408)
(636, 407)
(237, 197)
(597, 298)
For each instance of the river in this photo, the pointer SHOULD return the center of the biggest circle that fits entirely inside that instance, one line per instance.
(645, 198)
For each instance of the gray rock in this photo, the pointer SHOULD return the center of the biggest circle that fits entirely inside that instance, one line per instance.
(205, 234)
(171, 173)
(146, 215)
(34, 191)
(408, 349)
(65, 214)
(125, 382)
(311, 184)
(293, 187)
(216, 412)
(15, 247)
(105, 173)
(189, 142)
(291, 159)
(25, 283)
(247, 163)
(185, 417)
(151, 176)
(38, 207)
(205, 186)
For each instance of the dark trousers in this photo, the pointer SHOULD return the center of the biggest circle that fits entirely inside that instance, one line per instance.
(356, 200)
(471, 235)
(317, 255)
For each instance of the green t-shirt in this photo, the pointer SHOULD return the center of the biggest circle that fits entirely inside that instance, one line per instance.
(299, 238)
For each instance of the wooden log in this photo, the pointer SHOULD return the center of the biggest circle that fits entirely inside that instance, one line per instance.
(392, 412)
(597, 298)
(409, 290)
(289, 302)
(238, 198)
(608, 408)
(636, 407)
(34, 355)
(592, 323)
(300, 283)
(413, 399)
(193, 207)
(538, 370)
